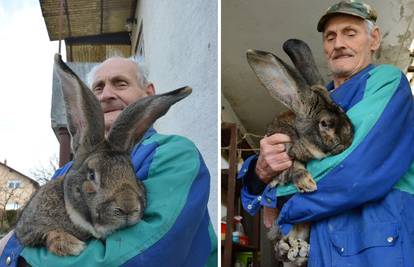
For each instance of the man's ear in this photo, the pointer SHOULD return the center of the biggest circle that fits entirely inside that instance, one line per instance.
(375, 39)
(150, 89)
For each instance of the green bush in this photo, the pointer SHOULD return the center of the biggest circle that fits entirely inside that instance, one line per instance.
(11, 217)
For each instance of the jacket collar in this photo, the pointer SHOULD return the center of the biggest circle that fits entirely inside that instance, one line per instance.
(330, 86)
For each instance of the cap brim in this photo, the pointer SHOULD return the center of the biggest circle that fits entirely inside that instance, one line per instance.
(324, 18)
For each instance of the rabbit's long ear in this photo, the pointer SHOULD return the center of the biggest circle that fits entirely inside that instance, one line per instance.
(138, 117)
(83, 112)
(278, 78)
(301, 56)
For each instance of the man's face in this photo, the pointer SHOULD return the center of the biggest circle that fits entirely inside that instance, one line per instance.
(347, 45)
(115, 84)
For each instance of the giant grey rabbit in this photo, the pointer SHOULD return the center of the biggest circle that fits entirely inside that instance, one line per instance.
(100, 193)
(316, 125)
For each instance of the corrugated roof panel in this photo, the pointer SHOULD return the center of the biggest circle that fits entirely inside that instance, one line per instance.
(96, 53)
(84, 17)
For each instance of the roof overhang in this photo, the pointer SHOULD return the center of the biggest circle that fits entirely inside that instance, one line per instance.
(90, 28)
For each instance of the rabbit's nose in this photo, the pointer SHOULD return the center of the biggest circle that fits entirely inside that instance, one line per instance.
(127, 205)
(126, 211)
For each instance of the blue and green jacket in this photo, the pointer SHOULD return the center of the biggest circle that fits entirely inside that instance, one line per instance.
(362, 213)
(175, 229)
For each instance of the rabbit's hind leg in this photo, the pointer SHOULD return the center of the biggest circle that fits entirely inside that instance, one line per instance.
(298, 251)
(293, 247)
(62, 243)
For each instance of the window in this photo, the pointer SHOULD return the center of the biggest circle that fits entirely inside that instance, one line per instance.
(14, 184)
(12, 206)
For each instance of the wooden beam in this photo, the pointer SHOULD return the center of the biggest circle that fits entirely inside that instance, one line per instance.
(67, 18)
(121, 38)
(101, 28)
(64, 150)
(231, 186)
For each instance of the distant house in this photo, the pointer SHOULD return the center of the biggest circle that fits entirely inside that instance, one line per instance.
(15, 188)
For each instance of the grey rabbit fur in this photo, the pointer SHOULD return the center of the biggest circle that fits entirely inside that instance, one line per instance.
(100, 193)
(315, 124)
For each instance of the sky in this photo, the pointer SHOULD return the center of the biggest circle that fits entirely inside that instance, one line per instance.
(26, 67)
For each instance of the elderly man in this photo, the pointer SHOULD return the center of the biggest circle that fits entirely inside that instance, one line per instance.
(363, 210)
(176, 228)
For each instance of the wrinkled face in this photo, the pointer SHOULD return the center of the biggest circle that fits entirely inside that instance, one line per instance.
(347, 45)
(114, 197)
(116, 86)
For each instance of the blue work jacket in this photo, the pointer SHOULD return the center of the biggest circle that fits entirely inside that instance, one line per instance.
(362, 213)
(175, 229)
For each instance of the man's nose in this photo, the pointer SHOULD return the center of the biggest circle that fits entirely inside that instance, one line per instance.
(108, 93)
(339, 42)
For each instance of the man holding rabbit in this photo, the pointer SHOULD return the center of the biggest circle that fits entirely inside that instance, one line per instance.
(362, 212)
(175, 229)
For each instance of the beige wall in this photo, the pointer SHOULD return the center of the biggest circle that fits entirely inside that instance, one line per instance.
(10, 195)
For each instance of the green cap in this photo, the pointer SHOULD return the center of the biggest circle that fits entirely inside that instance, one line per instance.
(353, 8)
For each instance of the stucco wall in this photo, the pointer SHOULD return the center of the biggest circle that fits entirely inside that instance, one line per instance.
(180, 43)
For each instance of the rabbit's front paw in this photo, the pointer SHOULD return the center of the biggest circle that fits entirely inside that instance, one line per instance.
(62, 243)
(304, 181)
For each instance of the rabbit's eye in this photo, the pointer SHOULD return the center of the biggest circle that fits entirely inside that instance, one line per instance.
(325, 124)
(91, 175)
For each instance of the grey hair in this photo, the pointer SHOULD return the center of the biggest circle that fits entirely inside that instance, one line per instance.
(370, 26)
(142, 71)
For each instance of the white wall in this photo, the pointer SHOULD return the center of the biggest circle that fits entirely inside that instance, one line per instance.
(180, 43)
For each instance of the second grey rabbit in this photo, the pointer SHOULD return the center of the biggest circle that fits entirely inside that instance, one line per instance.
(100, 193)
(316, 125)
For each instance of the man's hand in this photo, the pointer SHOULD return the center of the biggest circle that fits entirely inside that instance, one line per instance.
(273, 158)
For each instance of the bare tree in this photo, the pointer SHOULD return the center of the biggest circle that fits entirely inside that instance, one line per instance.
(8, 195)
(42, 173)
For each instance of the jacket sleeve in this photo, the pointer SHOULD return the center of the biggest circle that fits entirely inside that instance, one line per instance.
(175, 228)
(369, 172)
(253, 188)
